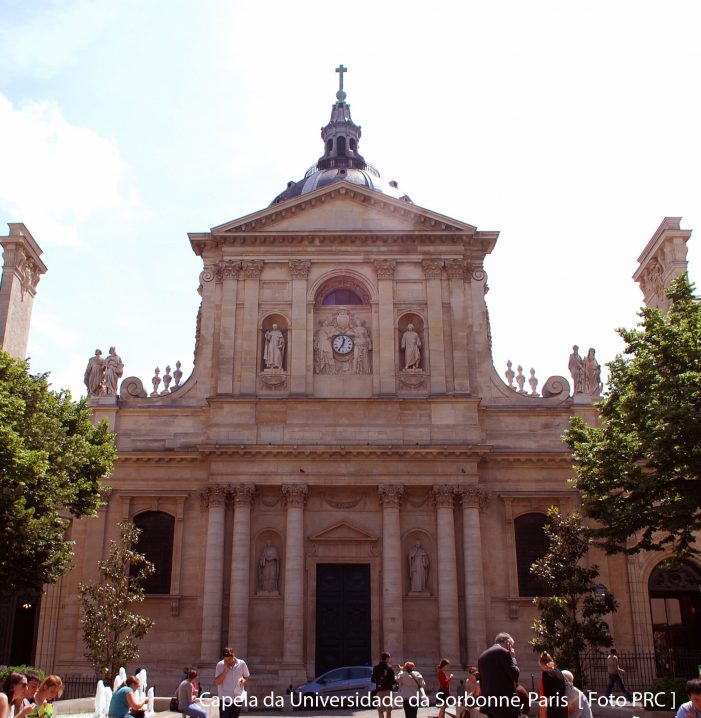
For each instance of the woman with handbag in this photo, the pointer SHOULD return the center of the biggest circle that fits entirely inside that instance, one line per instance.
(412, 689)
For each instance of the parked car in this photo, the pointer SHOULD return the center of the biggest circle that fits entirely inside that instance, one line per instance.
(338, 688)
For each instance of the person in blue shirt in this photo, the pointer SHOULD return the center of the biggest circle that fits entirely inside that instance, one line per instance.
(123, 700)
(692, 708)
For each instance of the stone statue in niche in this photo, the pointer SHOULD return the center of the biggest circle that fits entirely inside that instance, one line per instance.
(94, 374)
(274, 354)
(411, 346)
(576, 367)
(419, 564)
(592, 374)
(268, 570)
(114, 368)
(362, 346)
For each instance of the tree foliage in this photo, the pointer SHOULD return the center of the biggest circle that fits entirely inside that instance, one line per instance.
(639, 473)
(110, 627)
(570, 618)
(52, 460)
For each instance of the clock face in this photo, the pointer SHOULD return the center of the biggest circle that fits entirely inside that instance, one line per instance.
(342, 344)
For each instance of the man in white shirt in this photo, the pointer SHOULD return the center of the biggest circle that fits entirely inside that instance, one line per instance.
(230, 675)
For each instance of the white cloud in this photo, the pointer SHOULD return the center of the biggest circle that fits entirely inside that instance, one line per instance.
(42, 39)
(57, 175)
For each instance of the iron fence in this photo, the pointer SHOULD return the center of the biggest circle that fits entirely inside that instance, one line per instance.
(78, 686)
(641, 667)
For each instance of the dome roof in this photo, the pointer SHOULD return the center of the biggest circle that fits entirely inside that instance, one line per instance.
(341, 160)
(316, 178)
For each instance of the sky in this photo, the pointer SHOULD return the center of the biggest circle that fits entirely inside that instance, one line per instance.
(571, 128)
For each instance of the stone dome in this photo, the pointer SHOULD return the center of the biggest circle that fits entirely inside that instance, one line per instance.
(341, 160)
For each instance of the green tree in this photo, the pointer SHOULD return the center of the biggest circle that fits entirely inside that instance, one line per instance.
(570, 617)
(52, 460)
(110, 628)
(639, 472)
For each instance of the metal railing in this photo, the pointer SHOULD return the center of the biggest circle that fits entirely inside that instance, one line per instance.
(78, 686)
(641, 667)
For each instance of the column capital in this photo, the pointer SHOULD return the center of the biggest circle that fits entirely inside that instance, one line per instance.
(474, 497)
(214, 496)
(243, 494)
(228, 269)
(390, 495)
(299, 268)
(252, 268)
(432, 268)
(294, 495)
(455, 268)
(385, 268)
(443, 495)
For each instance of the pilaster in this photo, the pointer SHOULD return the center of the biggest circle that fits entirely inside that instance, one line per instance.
(474, 501)
(436, 330)
(239, 592)
(214, 499)
(250, 340)
(385, 289)
(227, 274)
(294, 496)
(392, 638)
(448, 622)
(299, 269)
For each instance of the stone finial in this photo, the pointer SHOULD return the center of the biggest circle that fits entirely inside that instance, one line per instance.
(167, 378)
(520, 380)
(155, 381)
(533, 383)
(509, 374)
(177, 374)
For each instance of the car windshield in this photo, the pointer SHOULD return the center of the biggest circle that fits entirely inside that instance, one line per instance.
(339, 674)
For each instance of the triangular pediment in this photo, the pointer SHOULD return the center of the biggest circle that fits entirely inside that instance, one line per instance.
(345, 532)
(343, 207)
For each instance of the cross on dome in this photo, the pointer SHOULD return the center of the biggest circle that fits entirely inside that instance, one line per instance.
(341, 95)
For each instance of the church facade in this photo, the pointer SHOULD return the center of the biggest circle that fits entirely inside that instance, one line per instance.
(344, 472)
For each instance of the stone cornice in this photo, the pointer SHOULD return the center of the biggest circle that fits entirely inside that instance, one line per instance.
(562, 459)
(414, 453)
(393, 239)
(159, 457)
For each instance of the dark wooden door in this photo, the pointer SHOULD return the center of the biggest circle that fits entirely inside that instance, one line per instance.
(342, 615)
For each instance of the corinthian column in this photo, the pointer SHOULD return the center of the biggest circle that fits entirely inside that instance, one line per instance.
(215, 500)
(474, 500)
(448, 623)
(294, 496)
(392, 639)
(240, 569)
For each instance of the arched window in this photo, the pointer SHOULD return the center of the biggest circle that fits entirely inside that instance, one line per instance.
(353, 145)
(341, 147)
(329, 146)
(342, 296)
(531, 544)
(156, 543)
(675, 605)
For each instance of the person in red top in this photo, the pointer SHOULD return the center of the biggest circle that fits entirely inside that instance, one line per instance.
(443, 686)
